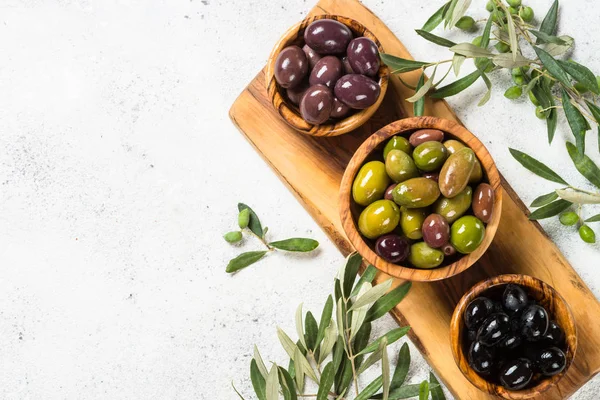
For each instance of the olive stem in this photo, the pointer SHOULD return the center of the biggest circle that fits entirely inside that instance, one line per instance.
(582, 191)
(350, 355)
(262, 240)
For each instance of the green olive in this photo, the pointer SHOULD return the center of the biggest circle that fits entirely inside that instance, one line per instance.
(514, 3)
(513, 92)
(533, 99)
(454, 208)
(465, 23)
(453, 146)
(569, 218)
(526, 13)
(416, 193)
(477, 41)
(481, 61)
(502, 47)
(430, 156)
(400, 166)
(490, 6)
(397, 143)
(540, 113)
(370, 183)
(455, 174)
(423, 256)
(411, 221)
(378, 218)
(587, 234)
(466, 234)
(580, 88)
(513, 10)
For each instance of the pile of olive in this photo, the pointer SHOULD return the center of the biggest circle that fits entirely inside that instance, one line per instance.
(332, 74)
(513, 341)
(418, 203)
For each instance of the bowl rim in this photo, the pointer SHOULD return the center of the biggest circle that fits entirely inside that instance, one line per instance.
(457, 327)
(362, 153)
(289, 112)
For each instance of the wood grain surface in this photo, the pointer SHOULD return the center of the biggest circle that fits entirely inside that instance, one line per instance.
(312, 168)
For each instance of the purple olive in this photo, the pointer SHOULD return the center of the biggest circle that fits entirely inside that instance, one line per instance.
(426, 135)
(388, 192)
(393, 248)
(448, 250)
(316, 104)
(312, 56)
(327, 36)
(340, 110)
(357, 91)
(434, 176)
(295, 94)
(327, 71)
(347, 68)
(436, 231)
(291, 66)
(363, 56)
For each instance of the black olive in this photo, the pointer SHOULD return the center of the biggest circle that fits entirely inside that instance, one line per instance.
(481, 358)
(472, 335)
(515, 324)
(478, 310)
(514, 298)
(551, 361)
(534, 322)
(510, 342)
(555, 335)
(516, 374)
(494, 329)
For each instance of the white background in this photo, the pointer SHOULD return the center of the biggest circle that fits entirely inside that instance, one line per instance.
(120, 171)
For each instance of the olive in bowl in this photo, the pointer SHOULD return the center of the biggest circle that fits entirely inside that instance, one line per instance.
(513, 336)
(324, 77)
(421, 198)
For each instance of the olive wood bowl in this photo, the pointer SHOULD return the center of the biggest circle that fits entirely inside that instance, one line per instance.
(290, 112)
(546, 296)
(350, 211)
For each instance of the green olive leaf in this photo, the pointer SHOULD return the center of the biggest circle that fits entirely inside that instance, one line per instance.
(327, 378)
(436, 18)
(260, 363)
(584, 165)
(434, 38)
(456, 86)
(299, 361)
(485, 37)
(506, 60)
(437, 393)
(549, 22)
(370, 389)
(595, 111)
(457, 62)
(458, 11)
(424, 391)
(338, 352)
(545, 38)
(406, 391)
(258, 382)
(254, 222)
(595, 218)
(577, 122)
(486, 97)
(578, 197)
(422, 91)
(536, 167)
(374, 357)
(244, 218)
(272, 386)
(556, 50)
(360, 342)
(344, 377)
(470, 50)
(419, 105)
(387, 302)
(371, 295)
(353, 263)
(324, 321)
(391, 337)
(287, 382)
(237, 392)
(233, 237)
(385, 373)
(544, 199)
(244, 260)
(366, 276)
(359, 314)
(401, 370)
(512, 35)
(553, 66)
(296, 244)
(550, 210)
(400, 65)
(299, 326)
(331, 336)
(311, 327)
(531, 84)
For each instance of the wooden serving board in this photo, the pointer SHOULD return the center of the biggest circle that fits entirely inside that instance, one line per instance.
(312, 169)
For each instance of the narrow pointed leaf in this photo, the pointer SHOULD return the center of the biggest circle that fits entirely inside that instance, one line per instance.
(391, 337)
(536, 167)
(437, 393)
(548, 25)
(258, 382)
(290, 348)
(374, 357)
(424, 391)
(595, 110)
(344, 378)
(405, 392)
(387, 302)
(459, 10)
(544, 199)
(353, 263)
(434, 38)
(485, 37)
(325, 320)
(302, 245)
(338, 353)
(311, 328)
(359, 314)
(371, 389)
(555, 49)
(470, 50)
(422, 91)
(488, 94)
(595, 218)
(254, 223)
(339, 316)
(360, 342)
(289, 383)
(506, 60)
(260, 363)
(419, 105)
(299, 370)
(299, 326)
(578, 197)
(545, 38)
(372, 295)
(399, 65)
(584, 165)
(456, 86)
(553, 66)
(552, 122)
(272, 386)
(457, 62)
(366, 276)
(550, 210)
(576, 120)
(244, 260)
(401, 370)
(512, 34)
(331, 335)
(436, 18)
(327, 378)
(385, 373)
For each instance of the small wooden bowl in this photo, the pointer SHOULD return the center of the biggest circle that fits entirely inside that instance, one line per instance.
(349, 211)
(546, 296)
(290, 112)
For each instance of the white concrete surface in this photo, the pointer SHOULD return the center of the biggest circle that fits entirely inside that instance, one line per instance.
(120, 171)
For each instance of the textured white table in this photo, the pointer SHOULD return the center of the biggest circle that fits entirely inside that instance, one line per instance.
(120, 171)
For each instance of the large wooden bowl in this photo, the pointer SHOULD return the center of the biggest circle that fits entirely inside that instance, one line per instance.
(289, 112)
(547, 297)
(371, 149)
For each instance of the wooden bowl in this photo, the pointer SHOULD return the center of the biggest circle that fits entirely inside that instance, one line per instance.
(290, 112)
(543, 294)
(371, 149)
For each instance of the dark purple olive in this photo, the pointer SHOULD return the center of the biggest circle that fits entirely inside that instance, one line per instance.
(291, 66)
(554, 335)
(357, 91)
(311, 55)
(388, 192)
(510, 342)
(327, 36)
(471, 336)
(514, 298)
(551, 361)
(316, 104)
(494, 329)
(436, 231)
(363, 56)
(481, 358)
(426, 135)
(327, 71)
(295, 94)
(516, 374)
(347, 68)
(478, 310)
(515, 323)
(340, 110)
(434, 176)
(534, 322)
(448, 249)
(393, 248)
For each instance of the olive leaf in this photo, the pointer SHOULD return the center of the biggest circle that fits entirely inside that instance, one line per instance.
(512, 34)
(458, 11)
(437, 393)
(360, 342)
(457, 62)
(287, 382)
(577, 122)
(359, 313)
(338, 352)
(237, 392)
(311, 328)
(370, 389)
(546, 38)
(456, 86)
(436, 18)
(422, 91)
(536, 167)
(485, 37)
(434, 38)
(272, 386)
(419, 105)
(299, 369)
(595, 218)
(374, 357)
(331, 335)
(406, 391)
(299, 326)
(584, 165)
(387, 302)
(550, 210)
(401, 370)
(400, 65)
(553, 66)
(424, 391)
(327, 378)
(506, 60)
(353, 263)
(366, 276)
(390, 337)
(253, 223)
(371, 295)
(544, 199)
(300, 360)
(244, 260)
(296, 244)
(549, 22)
(385, 373)
(325, 320)
(595, 110)
(488, 94)
(260, 363)
(578, 197)
(556, 50)
(258, 382)
(470, 50)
